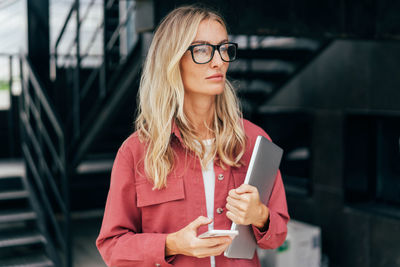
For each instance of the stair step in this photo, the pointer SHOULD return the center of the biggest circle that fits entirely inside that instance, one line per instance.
(16, 215)
(20, 237)
(11, 168)
(16, 204)
(95, 166)
(276, 76)
(27, 261)
(283, 53)
(11, 184)
(15, 194)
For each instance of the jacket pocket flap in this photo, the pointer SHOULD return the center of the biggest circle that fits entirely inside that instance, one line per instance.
(146, 196)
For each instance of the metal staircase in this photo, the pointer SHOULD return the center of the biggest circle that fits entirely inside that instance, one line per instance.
(94, 118)
(266, 63)
(58, 133)
(24, 240)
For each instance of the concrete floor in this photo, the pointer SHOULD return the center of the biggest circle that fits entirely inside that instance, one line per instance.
(85, 232)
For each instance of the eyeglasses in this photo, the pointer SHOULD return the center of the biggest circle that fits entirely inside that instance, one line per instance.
(204, 53)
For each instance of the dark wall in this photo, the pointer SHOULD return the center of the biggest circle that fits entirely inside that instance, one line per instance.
(349, 77)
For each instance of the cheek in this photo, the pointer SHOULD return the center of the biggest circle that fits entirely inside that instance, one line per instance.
(191, 73)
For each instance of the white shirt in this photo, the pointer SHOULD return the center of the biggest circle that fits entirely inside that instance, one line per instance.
(209, 186)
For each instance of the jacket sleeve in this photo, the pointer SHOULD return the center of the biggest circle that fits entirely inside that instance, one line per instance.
(121, 241)
(274, 233)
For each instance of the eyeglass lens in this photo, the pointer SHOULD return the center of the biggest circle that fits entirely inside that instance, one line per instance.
(203, 53)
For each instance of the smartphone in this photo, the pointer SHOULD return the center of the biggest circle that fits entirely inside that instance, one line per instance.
(215, 233)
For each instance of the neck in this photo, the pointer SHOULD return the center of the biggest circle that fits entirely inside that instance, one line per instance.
(200, 112)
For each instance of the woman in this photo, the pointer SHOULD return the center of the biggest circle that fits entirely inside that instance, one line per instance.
(181, 172)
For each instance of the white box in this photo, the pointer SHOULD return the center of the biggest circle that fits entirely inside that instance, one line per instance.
(302, 248)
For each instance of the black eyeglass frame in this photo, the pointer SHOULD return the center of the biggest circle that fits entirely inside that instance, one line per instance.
(214, 47)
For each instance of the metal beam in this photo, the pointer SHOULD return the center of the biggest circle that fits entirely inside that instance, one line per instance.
(39, 38)
(359, 19)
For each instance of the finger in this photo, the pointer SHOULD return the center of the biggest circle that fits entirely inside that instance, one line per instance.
(213, 241)
(238, 204)
(208, 246)
(218, 250)
(245, 188)
(214, 250)
(234, 210)
(207, 252)
(234, 218)
(201, 220)
(246, 197)
(232, 193)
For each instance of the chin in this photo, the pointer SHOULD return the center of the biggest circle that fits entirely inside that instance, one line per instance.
(217, 90)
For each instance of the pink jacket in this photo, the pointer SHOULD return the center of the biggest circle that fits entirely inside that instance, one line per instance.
(137, 219)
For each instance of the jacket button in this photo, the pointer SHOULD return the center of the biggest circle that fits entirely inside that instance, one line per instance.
(157, 265)
(221, 177)
(220, 210)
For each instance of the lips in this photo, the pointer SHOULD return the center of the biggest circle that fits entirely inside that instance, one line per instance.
(215, 76)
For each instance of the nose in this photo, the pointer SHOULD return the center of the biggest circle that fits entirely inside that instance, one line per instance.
(216, 61)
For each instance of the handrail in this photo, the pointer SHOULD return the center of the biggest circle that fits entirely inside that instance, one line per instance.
(60, 35)
(122, 23)
(46, 201)
(46, 136)
(75, 8)
(83, 18)
(55, 121)
(8, 54)
(92, 39)
(43, 150)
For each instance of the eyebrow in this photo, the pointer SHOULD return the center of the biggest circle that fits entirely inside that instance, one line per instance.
(206, 42)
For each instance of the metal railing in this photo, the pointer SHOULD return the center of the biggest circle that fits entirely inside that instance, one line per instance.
(83, 91)
(43, 148)
(45, 137)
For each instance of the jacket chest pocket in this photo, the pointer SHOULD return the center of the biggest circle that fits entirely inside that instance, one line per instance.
(162, 210)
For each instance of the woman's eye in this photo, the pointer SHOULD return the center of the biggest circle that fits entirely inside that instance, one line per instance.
(201, 50)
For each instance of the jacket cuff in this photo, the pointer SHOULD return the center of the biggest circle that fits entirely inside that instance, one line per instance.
(157, 253)
(147, 251)
(265, 234)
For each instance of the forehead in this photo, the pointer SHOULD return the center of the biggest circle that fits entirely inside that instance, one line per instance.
(211, 31)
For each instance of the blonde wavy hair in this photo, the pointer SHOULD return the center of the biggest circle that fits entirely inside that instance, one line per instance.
(161, 97)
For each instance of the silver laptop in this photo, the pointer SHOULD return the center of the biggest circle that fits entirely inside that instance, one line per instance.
(261, 173)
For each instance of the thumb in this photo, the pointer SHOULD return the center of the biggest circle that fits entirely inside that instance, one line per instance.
(244, 188)
(241, 189)
(201, 220)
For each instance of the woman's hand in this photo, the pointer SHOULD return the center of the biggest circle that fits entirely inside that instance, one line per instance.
(185, 241)
(244, 206)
